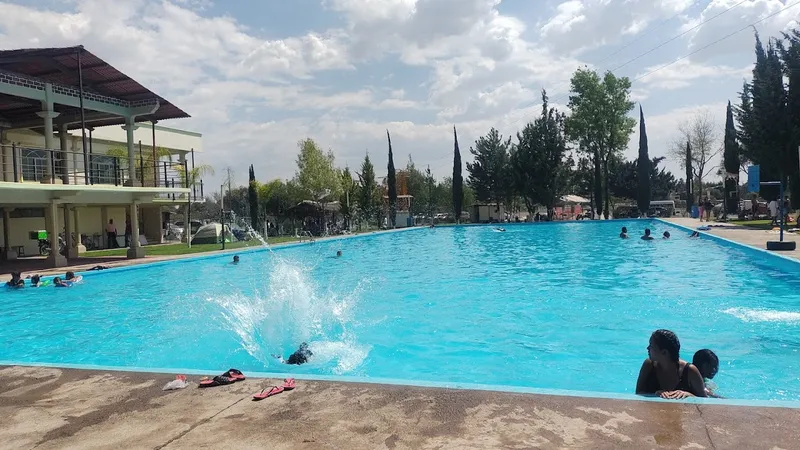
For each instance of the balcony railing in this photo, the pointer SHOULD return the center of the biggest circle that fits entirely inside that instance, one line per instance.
(29, 164)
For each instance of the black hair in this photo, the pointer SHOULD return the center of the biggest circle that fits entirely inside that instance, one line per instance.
(667, 340)
(70, 275)
(647, 231)
(666, 234)
(624, 229)
(35, 279)
(706, 356)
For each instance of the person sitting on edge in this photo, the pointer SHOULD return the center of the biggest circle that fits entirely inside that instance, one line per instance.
(235, 259)
(624, 233)
(16, 280)
(647, 236)
(664, 374)
(70, 276)
(58, 282)
(666, 235)
(707, 363)
(300, 356)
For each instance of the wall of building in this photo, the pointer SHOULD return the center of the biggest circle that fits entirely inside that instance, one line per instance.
(90, 219)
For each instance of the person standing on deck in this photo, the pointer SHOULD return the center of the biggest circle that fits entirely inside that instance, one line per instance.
(111, 234)
(128, 232)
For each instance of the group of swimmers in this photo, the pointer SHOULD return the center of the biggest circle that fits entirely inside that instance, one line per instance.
(666, 375)
(647, 236)
(36, 280)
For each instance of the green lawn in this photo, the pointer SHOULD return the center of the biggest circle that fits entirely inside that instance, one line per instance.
(755, 224)
(183, 249)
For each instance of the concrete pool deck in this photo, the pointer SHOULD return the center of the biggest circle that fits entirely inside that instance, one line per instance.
(48, 408)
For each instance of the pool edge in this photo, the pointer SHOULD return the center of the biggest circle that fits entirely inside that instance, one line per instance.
(787, 404)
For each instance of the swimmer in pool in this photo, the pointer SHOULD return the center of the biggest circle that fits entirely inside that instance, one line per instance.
(707, 363)
(300, 356)
(695, 234)
(36, 281)
(647, 236)
(70, 276)
(500, 229)
(666, 235)
(338, 253)
(58, 282)
(624, 233)
(16, 280)
(235, 259)
(665, 374)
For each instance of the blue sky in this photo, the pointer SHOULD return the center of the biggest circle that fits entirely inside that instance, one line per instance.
(257, 76)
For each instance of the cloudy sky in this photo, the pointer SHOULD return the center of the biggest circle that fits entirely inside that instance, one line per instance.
(259, 75)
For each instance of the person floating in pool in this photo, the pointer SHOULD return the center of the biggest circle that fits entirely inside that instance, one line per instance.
(70, 276)
(58, 282)
(707, 363)
(664, 374)
(500, 229)
(300, 356)
(666, 235)
(235, 259)
(647, 236)
(16, 280)
(624, 233)
(695, 234)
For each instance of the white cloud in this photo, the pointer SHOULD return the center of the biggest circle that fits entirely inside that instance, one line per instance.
(684, 72)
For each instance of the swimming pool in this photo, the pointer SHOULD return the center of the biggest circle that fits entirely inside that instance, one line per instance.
(555, 306)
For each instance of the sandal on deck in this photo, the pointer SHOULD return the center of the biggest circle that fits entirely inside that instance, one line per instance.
(265, 393)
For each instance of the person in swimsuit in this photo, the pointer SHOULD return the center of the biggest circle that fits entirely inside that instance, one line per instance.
(235, 259)
(695, 234)
(300, 356)
(16, 280)
(70, 276)
(664, 374)
(624, 233)
(707, 363)
(666, 235)
(58, 282)
(36, 281)
(647, 236)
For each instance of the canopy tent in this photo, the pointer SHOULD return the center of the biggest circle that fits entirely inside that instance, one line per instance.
(574, 199)
(211, 233)
(308, 208)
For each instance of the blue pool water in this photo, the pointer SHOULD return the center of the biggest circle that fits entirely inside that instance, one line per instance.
(561, 306)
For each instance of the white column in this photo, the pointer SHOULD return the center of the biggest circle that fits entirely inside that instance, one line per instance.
(9, 253)
(135, 251)
(129, 127)
(48, 114)
(103, 222)
(63, 140)
(51, 224)
(68, 240)
(77, 247)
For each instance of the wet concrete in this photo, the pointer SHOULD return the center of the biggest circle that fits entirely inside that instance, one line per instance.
(46, 408)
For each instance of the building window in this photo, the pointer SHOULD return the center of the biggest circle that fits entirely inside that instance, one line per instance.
(34, 164)
(103, 168)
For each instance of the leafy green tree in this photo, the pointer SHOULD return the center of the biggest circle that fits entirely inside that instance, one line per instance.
(731, 164)
(391, 181)
(316, 174)
(252, 195)
(430, 183)
(599, 123)
(417, 188)
(538, 161)
(349, 188)
(643, 168)
(489, 173)
(458, 180)
(369, 196)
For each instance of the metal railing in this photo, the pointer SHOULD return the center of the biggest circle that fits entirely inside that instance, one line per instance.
(29, 164)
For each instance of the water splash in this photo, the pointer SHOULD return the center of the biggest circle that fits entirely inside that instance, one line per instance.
(763, 315)
(291, 308)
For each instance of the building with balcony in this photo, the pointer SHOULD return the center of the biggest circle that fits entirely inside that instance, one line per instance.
(81, 145)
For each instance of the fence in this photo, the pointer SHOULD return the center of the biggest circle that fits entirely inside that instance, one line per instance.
(29, 164)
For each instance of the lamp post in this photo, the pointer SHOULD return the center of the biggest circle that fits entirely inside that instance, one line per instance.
(222, 212)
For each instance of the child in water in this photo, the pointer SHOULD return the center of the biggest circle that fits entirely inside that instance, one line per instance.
(707, 363)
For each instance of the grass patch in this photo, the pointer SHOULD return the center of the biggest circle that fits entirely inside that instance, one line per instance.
(183, 249)
(765, 224)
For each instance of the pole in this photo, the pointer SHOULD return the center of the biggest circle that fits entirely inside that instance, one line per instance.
(91, 171)
(83, 117)
(222, 212)
(141, 163)
(155, 158)
(780, 208)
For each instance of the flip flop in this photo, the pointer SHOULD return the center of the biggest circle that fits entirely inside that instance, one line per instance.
(219, 380)
(265, 393)
(234, 374)
(288, 384)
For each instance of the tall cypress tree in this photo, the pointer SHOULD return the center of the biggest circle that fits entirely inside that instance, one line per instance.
(252, 196)
(458, 180)
(643, 167)
(689, 178)
(391, 181)
(731, 163)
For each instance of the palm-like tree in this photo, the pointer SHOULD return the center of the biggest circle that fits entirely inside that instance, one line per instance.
(191, 178)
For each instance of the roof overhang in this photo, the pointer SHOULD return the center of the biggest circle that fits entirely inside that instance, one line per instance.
(38, 194)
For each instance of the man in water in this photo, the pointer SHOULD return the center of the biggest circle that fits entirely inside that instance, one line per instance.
(666, 235)
(300, 356)
(235, 259)
(624, 233)
(647, 236)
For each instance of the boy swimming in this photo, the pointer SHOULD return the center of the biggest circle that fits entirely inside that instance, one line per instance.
(298, 357)
(707, 363)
